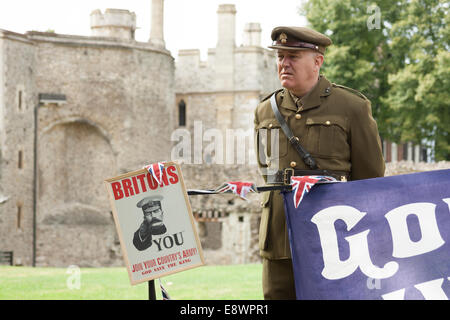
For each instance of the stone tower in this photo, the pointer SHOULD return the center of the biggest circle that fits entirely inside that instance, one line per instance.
(114, 23)
(224, 62)
(252, 34)
(17, 131)
(226, 44)
(157, 24)
(75, 110)
(226, 88)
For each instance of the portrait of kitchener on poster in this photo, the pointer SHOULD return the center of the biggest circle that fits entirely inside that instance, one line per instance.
(154, 222)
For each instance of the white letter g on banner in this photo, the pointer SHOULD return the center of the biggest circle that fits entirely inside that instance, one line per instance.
(334, 268)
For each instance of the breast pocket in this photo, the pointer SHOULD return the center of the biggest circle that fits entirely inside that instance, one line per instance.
(327, 136)
(271, 141)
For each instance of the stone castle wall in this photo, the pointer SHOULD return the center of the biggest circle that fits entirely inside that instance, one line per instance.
(253, 77)
(17, 92)
(118, 94)
(227, 225)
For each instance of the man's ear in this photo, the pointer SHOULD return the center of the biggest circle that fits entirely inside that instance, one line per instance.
(318, 60)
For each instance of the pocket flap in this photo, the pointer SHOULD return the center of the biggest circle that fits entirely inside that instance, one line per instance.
(268, 124)
(328, 121)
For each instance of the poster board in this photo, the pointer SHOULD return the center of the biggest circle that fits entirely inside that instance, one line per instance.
(154, 222)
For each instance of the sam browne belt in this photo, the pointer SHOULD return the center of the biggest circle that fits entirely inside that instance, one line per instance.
(294, 141)
(284, 176)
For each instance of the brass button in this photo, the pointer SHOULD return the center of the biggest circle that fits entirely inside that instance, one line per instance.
(270, 126)
(293, 164)
(298, 116)
(328, 122)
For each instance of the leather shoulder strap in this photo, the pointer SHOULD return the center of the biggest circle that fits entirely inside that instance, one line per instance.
(294, 141)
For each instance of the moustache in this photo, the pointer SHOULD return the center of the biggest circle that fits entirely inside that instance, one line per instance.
(154, 220)
(286, 73)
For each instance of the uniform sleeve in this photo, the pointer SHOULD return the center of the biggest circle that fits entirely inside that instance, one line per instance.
(257, 142)
(366, 154)
(256, 121)
(255, 136)
(259, 151)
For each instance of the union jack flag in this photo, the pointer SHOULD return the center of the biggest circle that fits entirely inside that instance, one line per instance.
(239, 188)
(156, 170)
(164, 293)
(302, 184)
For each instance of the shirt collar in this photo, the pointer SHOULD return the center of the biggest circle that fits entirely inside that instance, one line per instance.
(311, 100)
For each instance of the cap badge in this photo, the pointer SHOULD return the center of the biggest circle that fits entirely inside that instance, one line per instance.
(283, 38)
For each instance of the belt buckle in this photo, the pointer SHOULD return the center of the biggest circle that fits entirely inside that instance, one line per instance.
(286, 177)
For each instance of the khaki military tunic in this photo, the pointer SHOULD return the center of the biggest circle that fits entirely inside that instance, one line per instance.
(335, 125)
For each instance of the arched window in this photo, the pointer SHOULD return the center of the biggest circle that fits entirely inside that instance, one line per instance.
(182, 113)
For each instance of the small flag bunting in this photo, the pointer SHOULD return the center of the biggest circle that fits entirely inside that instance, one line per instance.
(164, 293)
(156, 170)
(239, 188)
(302, 184)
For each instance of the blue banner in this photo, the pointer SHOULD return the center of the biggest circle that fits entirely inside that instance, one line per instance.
(384, 238)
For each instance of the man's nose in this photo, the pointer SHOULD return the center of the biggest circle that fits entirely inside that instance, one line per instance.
(284, 61)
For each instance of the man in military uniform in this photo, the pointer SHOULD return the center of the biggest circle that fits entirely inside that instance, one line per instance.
(152, 224)
(333, 123)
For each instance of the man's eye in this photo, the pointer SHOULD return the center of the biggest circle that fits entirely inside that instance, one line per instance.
(291, 56)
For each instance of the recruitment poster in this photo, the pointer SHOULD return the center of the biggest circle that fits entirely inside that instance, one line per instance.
(154, 222)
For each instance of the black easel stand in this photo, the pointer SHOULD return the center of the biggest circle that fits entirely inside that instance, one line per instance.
(151, 290)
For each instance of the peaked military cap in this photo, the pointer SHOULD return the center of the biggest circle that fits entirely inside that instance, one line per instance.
(299, 38)
(153, 203)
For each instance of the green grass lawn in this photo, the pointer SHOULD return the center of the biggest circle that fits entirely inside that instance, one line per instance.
(234, 282)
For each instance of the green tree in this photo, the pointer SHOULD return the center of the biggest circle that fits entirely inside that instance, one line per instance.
(359, 55)
(419, 95)
(400, 62)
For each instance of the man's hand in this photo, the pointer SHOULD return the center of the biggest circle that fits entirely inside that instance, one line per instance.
(144, 229)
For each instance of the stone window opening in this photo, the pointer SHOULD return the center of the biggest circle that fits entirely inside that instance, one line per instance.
(19, 100)
(20, 160)
(182, 114)
(19, 216)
